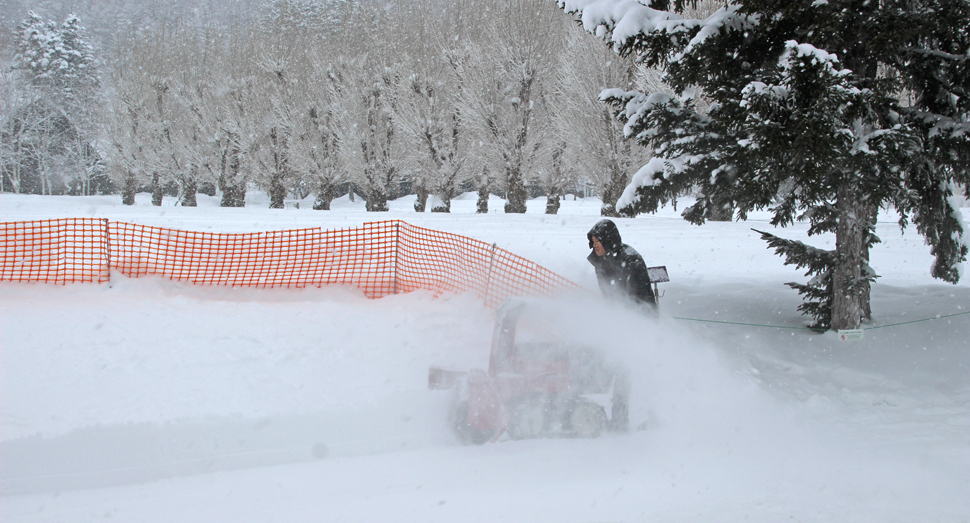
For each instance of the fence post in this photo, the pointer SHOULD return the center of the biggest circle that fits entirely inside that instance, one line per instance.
(107, 246)
(488, 279)
(397, 254)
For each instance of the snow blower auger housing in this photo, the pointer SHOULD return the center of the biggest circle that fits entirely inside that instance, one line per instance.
(533, 389)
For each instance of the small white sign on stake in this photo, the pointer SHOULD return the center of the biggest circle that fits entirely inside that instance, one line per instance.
(851, 334)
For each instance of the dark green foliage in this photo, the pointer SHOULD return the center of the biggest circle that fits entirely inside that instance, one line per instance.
(818, 264)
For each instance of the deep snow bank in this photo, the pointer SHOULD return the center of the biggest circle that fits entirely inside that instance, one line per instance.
(148, 378)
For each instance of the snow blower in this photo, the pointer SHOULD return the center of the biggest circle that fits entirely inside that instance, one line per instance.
(533, 389)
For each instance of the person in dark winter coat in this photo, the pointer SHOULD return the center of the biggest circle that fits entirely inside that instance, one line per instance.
(620, 270)
(621, 273)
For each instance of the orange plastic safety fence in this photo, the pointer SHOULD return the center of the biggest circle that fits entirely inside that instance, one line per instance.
(442, 261)
(59, 251)
(380, 258)
(294, 258)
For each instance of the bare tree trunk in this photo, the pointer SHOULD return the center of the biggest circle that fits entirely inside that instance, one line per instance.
(376, 198)
(613, 190)
(376, 202)
(557, 180)
(233, 195)
(16, 177)
(515, 195)
(128, 189)
(325, 195)
(277, 191)
(445, 196)
(277, 184)
(233, 190)
(156, 189)
(552, 204)
(872, 214)
(190, 189)
(851, 303)
(483, 193)
(847, 276)
(422, 191)
(15, 172)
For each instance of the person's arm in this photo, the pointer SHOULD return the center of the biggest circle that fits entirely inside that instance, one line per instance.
(601, 279)
(640, 285)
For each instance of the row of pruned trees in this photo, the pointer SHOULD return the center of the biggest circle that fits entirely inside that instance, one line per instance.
(308, 97)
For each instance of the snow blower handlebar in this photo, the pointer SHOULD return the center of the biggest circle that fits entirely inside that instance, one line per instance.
(441, 379)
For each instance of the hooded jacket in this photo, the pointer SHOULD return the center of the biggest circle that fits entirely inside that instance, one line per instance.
(621, 271)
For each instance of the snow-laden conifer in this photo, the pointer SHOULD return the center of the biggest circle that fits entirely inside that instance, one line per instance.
(52, 133)
(819, 110)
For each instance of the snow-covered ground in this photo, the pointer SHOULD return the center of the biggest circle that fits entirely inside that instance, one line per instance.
(150, 400)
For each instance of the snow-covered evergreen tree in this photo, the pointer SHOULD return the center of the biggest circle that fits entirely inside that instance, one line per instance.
(55, 129)
(820, 110)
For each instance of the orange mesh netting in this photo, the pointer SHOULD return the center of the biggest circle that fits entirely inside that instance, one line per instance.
(441, 261)
(380, 258)
(54, 251)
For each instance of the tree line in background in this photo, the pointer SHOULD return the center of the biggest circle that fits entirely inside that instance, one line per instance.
(319, 97)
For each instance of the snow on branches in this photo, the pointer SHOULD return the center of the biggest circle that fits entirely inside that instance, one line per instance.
(814, 110)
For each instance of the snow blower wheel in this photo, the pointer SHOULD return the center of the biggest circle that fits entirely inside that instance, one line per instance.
(468, 434)
(527, 420)
(587, 419)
